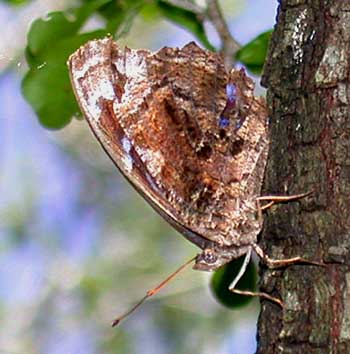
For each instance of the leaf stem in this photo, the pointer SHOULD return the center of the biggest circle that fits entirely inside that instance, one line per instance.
(229, 45)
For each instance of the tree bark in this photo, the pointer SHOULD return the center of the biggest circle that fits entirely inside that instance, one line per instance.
(307, 76)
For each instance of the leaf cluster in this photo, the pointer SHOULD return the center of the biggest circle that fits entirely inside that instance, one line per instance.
(51, 40)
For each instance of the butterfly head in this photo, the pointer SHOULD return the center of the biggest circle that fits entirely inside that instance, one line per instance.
(210, 259)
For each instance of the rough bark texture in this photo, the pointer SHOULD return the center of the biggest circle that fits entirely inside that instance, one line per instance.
(307, 76)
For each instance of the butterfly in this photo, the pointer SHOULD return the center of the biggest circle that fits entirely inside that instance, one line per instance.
(191, 137)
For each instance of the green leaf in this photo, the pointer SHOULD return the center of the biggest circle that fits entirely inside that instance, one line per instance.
(114, 14)
(224, 276)
(15, 2)
(186, 19)
(117, 13)
(128, 19)
(45, 32)
(151, 12)
(253, 54)
(46, 86)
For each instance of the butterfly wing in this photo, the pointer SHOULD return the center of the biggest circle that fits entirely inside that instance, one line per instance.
(156, 115)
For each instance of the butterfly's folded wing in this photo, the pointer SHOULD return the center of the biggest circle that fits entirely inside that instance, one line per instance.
(156, 115)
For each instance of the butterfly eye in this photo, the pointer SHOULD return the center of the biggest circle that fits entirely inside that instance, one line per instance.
(209, 257)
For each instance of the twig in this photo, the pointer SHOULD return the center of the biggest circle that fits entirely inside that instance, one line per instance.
(229, 45)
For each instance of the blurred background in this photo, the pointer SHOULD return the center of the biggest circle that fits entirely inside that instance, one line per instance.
(78, 246)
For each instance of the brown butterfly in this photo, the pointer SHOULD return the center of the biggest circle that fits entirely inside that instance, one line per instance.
(189, 136)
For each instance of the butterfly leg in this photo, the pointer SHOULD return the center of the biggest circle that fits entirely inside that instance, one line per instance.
(271, 263)
(242, 270)
(274, 199)
(278, 263)
(263, 295)
(247, 292)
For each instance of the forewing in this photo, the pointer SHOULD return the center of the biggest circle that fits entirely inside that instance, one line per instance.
(156, 115)
(108, 83)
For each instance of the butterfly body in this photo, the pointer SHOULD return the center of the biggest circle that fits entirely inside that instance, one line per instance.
(189, 136)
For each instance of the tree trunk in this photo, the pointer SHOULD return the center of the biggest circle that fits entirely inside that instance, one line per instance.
(307, 76)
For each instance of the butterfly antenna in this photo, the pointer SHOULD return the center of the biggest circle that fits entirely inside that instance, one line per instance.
(153, 291)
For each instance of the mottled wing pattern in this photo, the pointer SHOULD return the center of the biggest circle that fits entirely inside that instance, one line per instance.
(156, 115)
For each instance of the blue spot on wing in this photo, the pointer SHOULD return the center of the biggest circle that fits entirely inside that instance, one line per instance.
(231, 93)
(224, 122)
